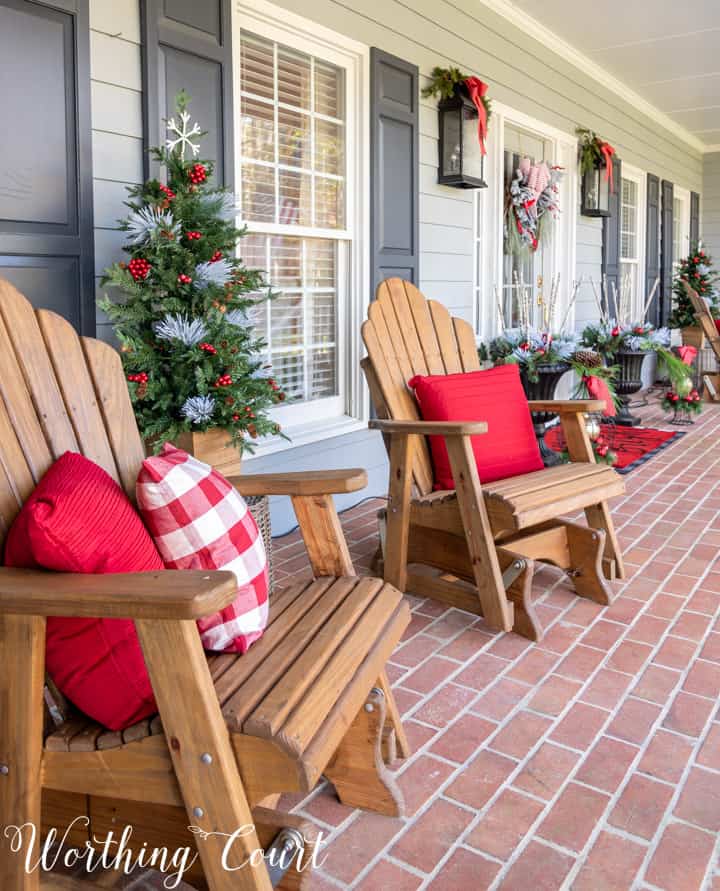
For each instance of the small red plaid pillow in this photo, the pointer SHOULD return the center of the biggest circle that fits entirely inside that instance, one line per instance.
(198, 521)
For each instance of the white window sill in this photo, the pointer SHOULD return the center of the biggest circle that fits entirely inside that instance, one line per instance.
(305, 434)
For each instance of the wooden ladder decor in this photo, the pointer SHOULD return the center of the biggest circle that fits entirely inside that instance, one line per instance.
(457, 546)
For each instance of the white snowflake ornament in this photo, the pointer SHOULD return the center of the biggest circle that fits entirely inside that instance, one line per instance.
(183, 135)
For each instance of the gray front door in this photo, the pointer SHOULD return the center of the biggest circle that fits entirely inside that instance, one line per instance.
(46, 235)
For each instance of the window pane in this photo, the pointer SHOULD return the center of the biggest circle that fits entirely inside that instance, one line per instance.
(286, 321)
(321, 263)
(258, 193)
(321, 373)
(295, 198)
(294, 138)
(293, 77)
(322, 318)
(329, 147)
(285, 262)
(329, 90)
(258, 130)
(289, 371)
(329, 203)
(256, 65)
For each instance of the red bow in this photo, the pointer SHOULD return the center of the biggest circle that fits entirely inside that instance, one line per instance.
(476, 90)
(598, 389)
(687, 354)
(608, 151)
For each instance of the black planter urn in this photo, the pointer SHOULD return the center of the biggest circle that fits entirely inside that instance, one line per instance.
(544, 388)
(629, 381)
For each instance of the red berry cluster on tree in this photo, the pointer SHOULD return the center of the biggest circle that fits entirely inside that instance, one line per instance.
(139, 268)
(193, 236)
(197, 174)
(208, 348)
(224, 381)
(216, 256)
(184, 279)
(140, 378)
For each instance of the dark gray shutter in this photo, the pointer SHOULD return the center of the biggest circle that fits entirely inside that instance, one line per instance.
(394, 142)
(652, 245)
(611, 232)
(46, 205)
(694, 219)
(187, 45)
(666, 250)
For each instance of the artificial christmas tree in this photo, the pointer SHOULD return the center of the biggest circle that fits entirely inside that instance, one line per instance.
(193, 361)
(696, 269)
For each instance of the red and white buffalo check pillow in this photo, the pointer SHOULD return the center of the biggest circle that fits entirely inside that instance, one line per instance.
(198, 521)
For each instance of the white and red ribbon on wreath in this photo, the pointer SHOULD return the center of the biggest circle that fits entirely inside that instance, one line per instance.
(607, 152)
(477, 90)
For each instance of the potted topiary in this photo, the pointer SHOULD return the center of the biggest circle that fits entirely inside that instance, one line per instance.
(195, 366)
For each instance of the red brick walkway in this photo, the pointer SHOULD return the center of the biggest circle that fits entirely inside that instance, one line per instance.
(590, 761)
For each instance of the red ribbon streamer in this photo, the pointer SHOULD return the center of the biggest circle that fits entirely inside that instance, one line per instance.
(608, 151)
(687, 354)
(598, 389)
(476, 90)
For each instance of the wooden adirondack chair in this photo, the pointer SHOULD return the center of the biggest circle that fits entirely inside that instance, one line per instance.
(487, 535)
(310, 697)
(704, 319)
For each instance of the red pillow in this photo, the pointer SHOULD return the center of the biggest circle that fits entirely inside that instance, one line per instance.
(509, 448)
(79, 520)
(717, 325)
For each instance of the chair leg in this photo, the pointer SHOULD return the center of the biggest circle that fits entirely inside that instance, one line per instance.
(202, 753)
(526, 621)
(357, 769)
(586, 547)
(22, 668)
(599, 517)
(393, 719)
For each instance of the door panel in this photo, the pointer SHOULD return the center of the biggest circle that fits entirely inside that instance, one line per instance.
(45, 165)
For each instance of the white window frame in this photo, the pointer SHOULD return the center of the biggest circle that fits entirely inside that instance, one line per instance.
(639, 177)
(488, 219)
(683, 196)
(308, 422)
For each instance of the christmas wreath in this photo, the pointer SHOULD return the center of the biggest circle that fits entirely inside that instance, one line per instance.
(531, 206)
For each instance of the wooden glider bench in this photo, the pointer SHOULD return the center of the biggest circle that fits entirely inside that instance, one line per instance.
(474, 547)
(709, 329)
(311, 697)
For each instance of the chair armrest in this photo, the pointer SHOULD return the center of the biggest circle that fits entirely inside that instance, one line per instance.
(431, 428)
(171, 594)
(310, 482)
(566, 406)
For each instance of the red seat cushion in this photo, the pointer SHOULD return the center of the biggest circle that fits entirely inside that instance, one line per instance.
(717, 325)
(509, 448)
(79, 520)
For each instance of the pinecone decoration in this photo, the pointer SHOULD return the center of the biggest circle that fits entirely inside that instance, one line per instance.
(588, 358)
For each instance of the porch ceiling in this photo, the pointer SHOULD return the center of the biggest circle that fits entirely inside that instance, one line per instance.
(667, 52)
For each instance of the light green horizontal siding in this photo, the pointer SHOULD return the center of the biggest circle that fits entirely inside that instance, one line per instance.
(710, 209)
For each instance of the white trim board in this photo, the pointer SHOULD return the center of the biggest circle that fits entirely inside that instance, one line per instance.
(531, 26)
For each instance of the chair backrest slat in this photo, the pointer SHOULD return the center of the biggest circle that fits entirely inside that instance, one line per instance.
(704, 318)
(113, 398)
(406, 334)
(68, 360)
(58, 393)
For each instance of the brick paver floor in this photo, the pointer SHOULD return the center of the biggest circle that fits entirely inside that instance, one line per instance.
(589, 761)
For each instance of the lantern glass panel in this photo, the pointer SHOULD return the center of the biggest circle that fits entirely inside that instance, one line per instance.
(472, 156)
(596, 192)
(452, 141)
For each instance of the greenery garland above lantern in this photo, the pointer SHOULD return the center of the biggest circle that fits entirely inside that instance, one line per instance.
(594, 151)
(444, 83)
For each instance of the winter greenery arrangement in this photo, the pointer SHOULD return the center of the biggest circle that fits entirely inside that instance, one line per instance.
(588, 364)
(594, 152)
(608, 337)
(682, 402)
(188, 346)
(529, 345)
(531, 206)
(444, 83)
(696, 269)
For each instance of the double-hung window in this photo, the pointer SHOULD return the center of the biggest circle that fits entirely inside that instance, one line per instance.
(296, 166)
(632, 237)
